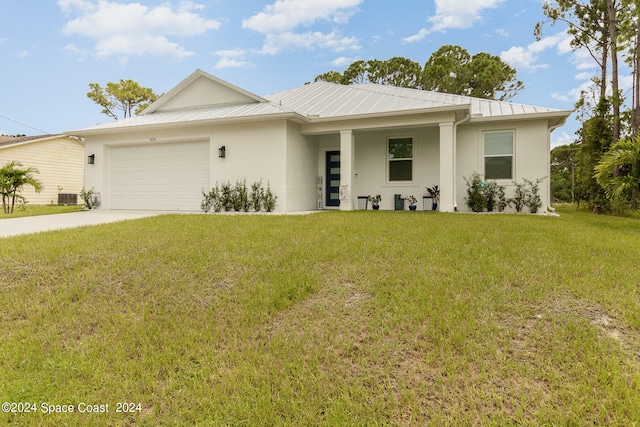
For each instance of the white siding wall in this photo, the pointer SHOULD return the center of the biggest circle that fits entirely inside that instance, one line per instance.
(60, 162)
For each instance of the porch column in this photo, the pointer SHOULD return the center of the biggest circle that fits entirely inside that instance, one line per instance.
(447, 161)
(347, 161)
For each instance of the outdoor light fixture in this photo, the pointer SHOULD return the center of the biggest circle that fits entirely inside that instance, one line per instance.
(91, 159)
(222, 152)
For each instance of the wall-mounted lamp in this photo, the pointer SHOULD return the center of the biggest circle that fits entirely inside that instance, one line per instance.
(91, 159)
(222, 152)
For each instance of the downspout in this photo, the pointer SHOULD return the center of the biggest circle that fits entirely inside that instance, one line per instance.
(455, 158)
(551, 129)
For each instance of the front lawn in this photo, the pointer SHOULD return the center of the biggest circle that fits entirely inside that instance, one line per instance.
(33, 210)
(360, 318)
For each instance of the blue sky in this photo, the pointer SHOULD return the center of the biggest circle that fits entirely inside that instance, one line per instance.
(51, 50)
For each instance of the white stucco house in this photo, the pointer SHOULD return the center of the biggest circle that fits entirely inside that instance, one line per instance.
(319, 146)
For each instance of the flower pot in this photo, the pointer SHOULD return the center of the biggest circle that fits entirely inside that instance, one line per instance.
(434, 207)
(376, 207)
(412, 207)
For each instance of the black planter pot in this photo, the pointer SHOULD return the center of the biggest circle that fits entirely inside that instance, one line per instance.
(412, 207)
(376, 207)
(435, 207)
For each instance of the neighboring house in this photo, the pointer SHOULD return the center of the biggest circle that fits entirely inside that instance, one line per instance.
(59, 160)
(318, 146)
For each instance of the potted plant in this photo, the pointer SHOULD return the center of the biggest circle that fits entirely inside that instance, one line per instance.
(412, 202)
(375, 201)
(435, 193)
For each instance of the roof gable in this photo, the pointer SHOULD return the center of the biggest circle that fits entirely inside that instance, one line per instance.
(201, 89)
(6, 142)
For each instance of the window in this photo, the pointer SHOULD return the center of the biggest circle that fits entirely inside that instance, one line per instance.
(498, 155)
(400, 159)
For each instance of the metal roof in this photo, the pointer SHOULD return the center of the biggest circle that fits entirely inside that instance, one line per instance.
(324, 101)
(333, 100)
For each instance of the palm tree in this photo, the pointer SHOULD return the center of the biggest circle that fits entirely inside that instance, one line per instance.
(625, 156)
(13, 177)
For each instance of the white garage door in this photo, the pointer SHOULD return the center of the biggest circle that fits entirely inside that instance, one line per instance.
(167, 176)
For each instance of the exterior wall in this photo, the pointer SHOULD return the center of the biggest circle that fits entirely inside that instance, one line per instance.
(254, 151)
(531, 156)
(302, 157)
(371, 174)
(60, 162)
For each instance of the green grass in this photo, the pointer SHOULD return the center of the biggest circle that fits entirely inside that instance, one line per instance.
(33, 210)
(361, 318)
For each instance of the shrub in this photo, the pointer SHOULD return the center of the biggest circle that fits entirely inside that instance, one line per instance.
(226, 196)
(257, 195)
(269, 200)
(207, 202)
(87, 198)
(241, 197)
(533, 201)
(475, 199)
(490, 193)
(520, 195)
(503, 203)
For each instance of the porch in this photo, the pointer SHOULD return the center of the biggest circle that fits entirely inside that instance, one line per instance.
(405, 161)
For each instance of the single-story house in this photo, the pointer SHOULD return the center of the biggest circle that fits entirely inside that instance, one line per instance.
(318, 146)
(59, 160)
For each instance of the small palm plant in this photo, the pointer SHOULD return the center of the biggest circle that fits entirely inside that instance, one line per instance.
(13, 177)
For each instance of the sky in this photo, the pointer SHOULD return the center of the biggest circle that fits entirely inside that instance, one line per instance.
(51, 50)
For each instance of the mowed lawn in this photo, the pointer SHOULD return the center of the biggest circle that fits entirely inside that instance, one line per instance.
(357, 318)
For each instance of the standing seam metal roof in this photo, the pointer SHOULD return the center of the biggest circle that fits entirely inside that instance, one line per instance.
(329, 100)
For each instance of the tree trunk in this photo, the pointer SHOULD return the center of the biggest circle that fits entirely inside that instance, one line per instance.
(613, 37)
(635, 107)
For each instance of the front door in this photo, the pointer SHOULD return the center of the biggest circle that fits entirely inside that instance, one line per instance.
(332, 192)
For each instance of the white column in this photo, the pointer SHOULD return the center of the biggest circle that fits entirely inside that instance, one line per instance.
(347, 161)
(447, 161)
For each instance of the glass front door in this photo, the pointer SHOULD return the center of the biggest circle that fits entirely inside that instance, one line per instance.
(332, 192)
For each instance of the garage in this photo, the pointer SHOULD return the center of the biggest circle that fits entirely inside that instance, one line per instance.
(168, 176)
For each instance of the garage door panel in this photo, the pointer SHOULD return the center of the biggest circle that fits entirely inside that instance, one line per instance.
(167, 176)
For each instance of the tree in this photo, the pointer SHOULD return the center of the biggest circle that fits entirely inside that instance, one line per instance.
(446, 70)
(587, 23)
(12, 179)
(398, 71)
(595, 138)
(126, 96)
(624, 156)
(491, 78)
(450, 70)
(563, 166)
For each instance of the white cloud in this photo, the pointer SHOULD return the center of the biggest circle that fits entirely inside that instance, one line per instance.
(235, 58)
(279, 21)
(23, 54)
(285, 15)
(342, 61)
(454, 14)
(525, 58)
(562, 139)
(133, 29)
(274, 43)
(559, 97)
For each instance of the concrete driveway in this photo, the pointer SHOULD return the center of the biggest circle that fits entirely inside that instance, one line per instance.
(35, 224)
